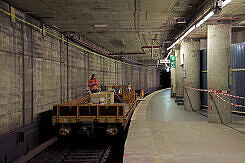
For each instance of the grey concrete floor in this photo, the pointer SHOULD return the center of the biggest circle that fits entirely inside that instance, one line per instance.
(162, 107)
(162, 131)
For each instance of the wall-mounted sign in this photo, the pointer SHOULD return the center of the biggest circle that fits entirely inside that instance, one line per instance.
(229, 77)
(182, 58)
(172, 61)
(161, 61)
(184, 73)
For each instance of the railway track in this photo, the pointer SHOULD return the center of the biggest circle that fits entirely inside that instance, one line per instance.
(88, 155)
(58, 153)
(102, 149)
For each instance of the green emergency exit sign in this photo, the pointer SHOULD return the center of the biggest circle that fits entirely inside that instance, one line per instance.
(172, 61)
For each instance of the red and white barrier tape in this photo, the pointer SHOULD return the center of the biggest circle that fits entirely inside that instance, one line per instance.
(229, 102)
(202, 90)
(219, 92)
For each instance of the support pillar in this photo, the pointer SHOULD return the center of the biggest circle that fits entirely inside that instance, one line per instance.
(191, 52)
(173, 82)
(218, 63)
(179, 75)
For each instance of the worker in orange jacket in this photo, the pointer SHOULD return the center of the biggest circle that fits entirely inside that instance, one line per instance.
(93, 83)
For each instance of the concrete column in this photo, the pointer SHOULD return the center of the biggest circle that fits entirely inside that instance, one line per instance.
(218, 60)
(191, 51)
(179, 75)
(173, 82)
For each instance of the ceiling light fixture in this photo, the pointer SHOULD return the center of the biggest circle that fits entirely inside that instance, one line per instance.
(209, 15)
(169, 54)
(166, 59)
(182, 37)
(100, 25)
(205, 19)
(226, 2)
(180, 20)
(200, 23)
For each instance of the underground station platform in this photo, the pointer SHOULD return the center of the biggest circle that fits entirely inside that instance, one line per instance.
(87, 81)
(162, 131)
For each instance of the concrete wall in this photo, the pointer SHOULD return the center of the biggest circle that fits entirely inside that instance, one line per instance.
(38, 71)
(203, 44)
(236, 37)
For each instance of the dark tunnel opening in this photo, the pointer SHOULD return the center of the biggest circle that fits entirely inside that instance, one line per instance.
(164, 79)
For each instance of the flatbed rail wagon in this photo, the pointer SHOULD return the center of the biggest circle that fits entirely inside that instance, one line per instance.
(109, 110)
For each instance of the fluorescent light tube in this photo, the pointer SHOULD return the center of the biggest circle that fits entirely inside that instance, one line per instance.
(100, 25)
(169, 54)
(225, 3)
(199, 23)
(181, 38)
(191, 29)
(208, 16)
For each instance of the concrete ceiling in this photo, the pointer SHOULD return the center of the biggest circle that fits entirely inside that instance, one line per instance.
(125, 25)
(233, 13)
